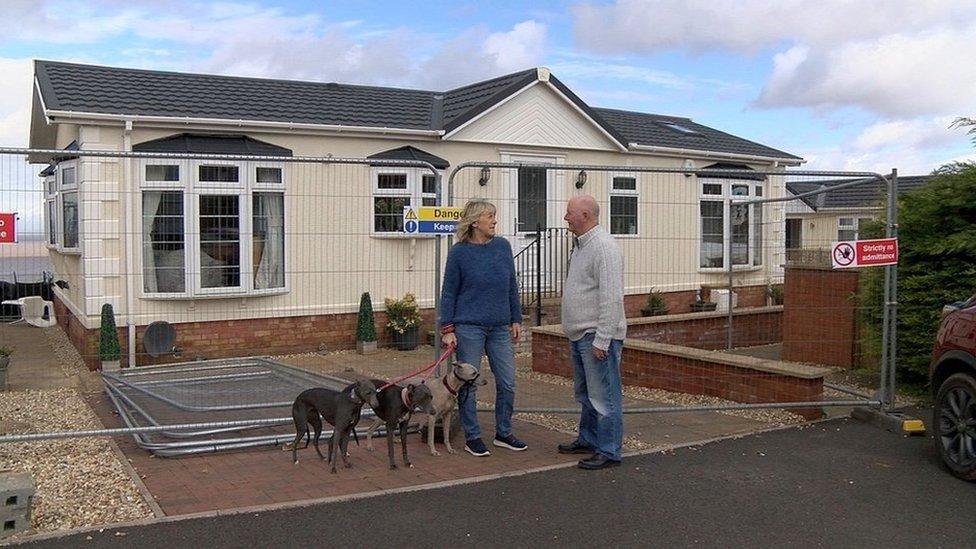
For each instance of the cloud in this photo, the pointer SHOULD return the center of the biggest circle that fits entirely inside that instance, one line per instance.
(15, 101)
(518, 48)
(894, 59)
(896, 75)
(653, 26)
(914, 146)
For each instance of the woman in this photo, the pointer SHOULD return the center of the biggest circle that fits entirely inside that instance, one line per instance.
(480, 314)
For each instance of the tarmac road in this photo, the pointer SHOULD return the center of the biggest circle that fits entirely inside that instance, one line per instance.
(834, 484)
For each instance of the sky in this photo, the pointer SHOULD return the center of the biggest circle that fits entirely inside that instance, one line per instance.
(846, 84)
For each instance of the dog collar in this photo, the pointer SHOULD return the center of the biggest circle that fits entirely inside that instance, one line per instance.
(448, 386)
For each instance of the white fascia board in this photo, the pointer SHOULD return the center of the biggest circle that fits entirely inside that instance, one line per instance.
(675, 151)
(223, 122)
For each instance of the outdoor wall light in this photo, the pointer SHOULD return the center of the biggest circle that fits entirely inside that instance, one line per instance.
(690, 166)
(581, 179)
(485, 176)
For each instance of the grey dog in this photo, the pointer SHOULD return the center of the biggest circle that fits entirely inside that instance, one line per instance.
(444, 400)
(396, 405)
(341, 409)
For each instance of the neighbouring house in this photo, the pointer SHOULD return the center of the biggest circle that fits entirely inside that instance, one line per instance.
(265, 257)
(813, 222)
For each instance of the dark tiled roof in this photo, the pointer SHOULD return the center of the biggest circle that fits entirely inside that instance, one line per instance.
(720, 167)
(410, 153)
(858, 196)
(211, 144)
(653, 129)
(110, 90)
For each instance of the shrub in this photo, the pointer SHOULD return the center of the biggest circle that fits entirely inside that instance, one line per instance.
(365, 329)
(108, 341)
(402, 314)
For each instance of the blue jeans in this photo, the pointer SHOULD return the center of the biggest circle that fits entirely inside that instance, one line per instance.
(596, 386)
(472, 342)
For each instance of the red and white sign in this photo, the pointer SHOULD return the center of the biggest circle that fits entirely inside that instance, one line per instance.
(864, 253)
(8, 228)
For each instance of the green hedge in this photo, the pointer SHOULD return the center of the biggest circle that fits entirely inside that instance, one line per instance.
(936, 266)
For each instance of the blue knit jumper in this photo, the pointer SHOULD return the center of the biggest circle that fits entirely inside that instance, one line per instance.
(480, 286)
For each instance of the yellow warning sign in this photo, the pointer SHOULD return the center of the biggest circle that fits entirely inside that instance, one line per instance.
(438, 213)
(410, 214)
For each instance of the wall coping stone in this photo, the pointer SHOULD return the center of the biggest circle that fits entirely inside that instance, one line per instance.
(792, 369)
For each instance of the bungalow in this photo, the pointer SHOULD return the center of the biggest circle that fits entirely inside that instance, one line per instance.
(813, 222)
(262, 257)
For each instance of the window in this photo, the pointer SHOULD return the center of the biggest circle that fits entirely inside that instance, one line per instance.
(69, 216)
(745, 222)
(679, 128)
(268, 225)
(850, 228)
(532, 202)
(68, 221)
(623, 206)
(221, 233)
(794, 234)
(428, 190)
(846, 229)
(51, 209)
(396, 188)
(163, 242)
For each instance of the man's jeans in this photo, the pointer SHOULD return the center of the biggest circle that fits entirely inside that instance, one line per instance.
(596, 385)
(472, 342)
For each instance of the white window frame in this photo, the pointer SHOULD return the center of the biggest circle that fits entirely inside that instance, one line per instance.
(851, 227)
(193, 189)
(68, 188)
(635, 193)
(52, 233)
(414, 192)
(726, 185)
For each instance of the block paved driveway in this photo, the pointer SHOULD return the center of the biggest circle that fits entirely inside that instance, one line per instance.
(836, 484)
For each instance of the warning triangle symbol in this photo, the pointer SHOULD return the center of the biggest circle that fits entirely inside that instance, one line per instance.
(411, 214)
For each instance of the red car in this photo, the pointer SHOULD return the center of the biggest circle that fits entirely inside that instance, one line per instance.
(953, 377)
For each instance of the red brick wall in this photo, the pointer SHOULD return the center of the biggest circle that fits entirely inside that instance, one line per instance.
(680, 302)
(660, 370)
(83, 339)
(819, 320)
(708, 330)
(235, 338)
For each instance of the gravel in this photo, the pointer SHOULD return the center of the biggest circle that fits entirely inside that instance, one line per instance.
(80, 482)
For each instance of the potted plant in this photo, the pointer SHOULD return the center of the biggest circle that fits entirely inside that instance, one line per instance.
(5, 353)
(775, 294)
(655, 304)
(108, 341)
(403, 321)
(701, 306)
(365, 329)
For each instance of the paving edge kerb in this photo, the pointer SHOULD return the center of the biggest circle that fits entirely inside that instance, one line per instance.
(401, 490)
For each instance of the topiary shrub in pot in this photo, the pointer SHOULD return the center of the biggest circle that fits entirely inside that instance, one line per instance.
(108, 341)
(365, 328)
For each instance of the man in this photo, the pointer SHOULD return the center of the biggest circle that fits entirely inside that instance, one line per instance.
(593, 320)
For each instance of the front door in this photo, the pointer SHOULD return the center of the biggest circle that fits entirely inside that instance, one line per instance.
(532, 200)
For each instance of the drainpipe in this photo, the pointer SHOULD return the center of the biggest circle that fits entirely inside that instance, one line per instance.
(128, 195)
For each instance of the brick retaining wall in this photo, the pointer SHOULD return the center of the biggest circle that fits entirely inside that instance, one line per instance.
(819, 325)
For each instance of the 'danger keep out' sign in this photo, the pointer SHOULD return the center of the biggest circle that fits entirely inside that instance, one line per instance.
(864, 253)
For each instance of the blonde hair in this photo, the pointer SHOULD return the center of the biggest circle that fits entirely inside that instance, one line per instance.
(471, 212)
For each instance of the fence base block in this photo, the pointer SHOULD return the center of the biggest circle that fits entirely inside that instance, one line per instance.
(895, 422)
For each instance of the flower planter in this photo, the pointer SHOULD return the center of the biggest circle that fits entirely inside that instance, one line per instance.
(703, 306)
(407, 341)
(365, 347)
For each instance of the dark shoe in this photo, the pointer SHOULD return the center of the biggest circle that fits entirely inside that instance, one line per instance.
(476, 448)
(510, 442)
(597, 461)
(575, 447)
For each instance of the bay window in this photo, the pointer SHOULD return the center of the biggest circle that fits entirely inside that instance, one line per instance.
(395, 189)
(745, 223)
(212, 229)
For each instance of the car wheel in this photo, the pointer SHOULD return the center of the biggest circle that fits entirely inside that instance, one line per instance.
(954, 418)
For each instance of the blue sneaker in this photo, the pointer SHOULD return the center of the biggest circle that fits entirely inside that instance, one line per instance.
(510, 442)
(476, 448)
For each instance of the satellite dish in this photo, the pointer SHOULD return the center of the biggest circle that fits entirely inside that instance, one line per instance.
(159, 339)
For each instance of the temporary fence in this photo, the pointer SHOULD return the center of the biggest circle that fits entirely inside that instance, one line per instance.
(249, 255)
